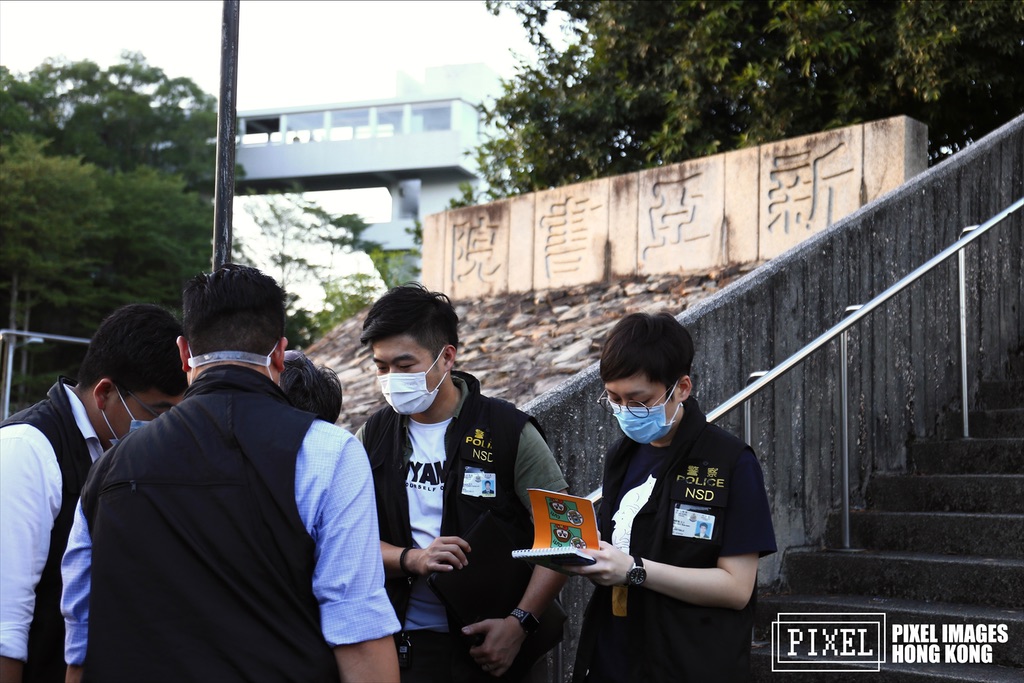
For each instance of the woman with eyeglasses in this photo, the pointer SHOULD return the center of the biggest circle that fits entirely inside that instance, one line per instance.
(684, 519)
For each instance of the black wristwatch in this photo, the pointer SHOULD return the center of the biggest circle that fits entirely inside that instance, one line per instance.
(636, 574)
(526, 620)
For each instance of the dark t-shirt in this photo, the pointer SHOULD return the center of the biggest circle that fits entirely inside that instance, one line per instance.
(748, 529)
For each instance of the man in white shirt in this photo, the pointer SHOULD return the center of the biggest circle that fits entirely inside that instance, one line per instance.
(131, 374)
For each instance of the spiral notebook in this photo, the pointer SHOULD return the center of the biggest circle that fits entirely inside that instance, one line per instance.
(564, 527)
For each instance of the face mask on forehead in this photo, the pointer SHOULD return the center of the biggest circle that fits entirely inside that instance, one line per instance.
(234, 356)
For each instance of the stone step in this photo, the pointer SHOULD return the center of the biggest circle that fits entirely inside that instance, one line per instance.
(761, 672)
(899, 611)
(941, 533)
(995, 493)
(967, 456)
(987, 424)
(1001, 394)
(998, 582)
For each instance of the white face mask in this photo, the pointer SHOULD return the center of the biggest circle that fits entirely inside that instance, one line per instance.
(407, 392)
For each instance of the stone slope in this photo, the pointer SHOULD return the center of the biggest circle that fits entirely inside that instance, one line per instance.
(520, 345)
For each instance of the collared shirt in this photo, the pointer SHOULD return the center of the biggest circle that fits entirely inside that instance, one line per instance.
(30, 499)
(334, 494)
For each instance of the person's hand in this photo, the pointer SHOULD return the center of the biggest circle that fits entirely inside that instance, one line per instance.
(499, 641)
(444, 554)
(611, 567)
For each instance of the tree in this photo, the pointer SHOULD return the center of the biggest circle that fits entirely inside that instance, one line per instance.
(50, 206)
(642, 84)
(129, 115)
(97, 208)
(299, 242)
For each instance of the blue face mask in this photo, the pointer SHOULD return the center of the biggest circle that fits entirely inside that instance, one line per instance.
(135, 423)
(645, 429)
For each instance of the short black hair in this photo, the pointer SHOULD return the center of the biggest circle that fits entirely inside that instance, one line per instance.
(135, 347)
(315, 389)
(428, 317)
(234, 308)
(657, 346)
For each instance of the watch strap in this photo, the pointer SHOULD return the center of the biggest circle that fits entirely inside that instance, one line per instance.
(526, 619)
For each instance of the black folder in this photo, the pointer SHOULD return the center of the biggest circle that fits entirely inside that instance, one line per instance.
(490, 587)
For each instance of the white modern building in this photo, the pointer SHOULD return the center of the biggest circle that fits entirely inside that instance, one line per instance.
(417, 144)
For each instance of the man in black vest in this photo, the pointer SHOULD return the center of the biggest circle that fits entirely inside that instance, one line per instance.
(234, 539)
(443, 454)
(131, 373)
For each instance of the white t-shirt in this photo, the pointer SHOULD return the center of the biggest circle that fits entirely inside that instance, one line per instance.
(424, 485)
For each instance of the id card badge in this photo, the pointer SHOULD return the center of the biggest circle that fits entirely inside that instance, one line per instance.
(689, 521)
(479, 483)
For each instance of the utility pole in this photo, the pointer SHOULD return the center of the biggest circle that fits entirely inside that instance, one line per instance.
(226, 114)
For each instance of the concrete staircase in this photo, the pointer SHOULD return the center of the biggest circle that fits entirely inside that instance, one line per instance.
(942, 544)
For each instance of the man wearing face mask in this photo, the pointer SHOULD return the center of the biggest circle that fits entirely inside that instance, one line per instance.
(131, 373)
(431, 450)
(233, 540)
(684, 520)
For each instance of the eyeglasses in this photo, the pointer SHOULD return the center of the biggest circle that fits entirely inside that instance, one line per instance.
(148, 408)
(634, 408)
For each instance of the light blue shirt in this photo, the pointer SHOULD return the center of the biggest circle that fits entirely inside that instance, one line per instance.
(334, 494)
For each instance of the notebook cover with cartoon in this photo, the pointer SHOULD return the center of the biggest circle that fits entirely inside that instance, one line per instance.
(564, 527)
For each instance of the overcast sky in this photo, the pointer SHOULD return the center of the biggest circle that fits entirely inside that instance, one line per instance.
(290, 53)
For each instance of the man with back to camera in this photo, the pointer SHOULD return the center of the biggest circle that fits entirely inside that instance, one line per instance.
(131, 373)
(236, 538)
(421, 449)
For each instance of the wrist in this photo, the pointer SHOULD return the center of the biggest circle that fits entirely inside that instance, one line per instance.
(527, 621)
(403, 562)
(636, 574)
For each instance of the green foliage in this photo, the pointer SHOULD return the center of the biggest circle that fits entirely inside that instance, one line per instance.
(50, 206)
(129, 115)
(642, 84)
(98, 208)
(300, 243)
(345, 297)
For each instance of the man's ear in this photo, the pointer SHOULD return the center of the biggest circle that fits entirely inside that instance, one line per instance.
(102, 391)
(683, 387)
(448, 355)
(184, 353)
(277, 355)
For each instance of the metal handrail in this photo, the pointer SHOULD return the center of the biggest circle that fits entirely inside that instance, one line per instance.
(6, 338)
(968, 236)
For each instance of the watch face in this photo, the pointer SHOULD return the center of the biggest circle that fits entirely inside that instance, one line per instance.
(637, 575)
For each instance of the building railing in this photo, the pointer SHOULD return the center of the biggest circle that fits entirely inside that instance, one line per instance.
(761, 380)
(342, 124)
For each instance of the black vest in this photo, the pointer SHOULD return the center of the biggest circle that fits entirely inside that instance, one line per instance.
(202, 568)
(484, 436)
(672, 640)
(55, 419)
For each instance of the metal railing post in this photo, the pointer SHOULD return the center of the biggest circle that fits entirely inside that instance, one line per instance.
(844, 427)
(962, 262)
(747, 429)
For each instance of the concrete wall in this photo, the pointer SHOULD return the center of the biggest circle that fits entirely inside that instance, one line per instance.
(904, 373)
